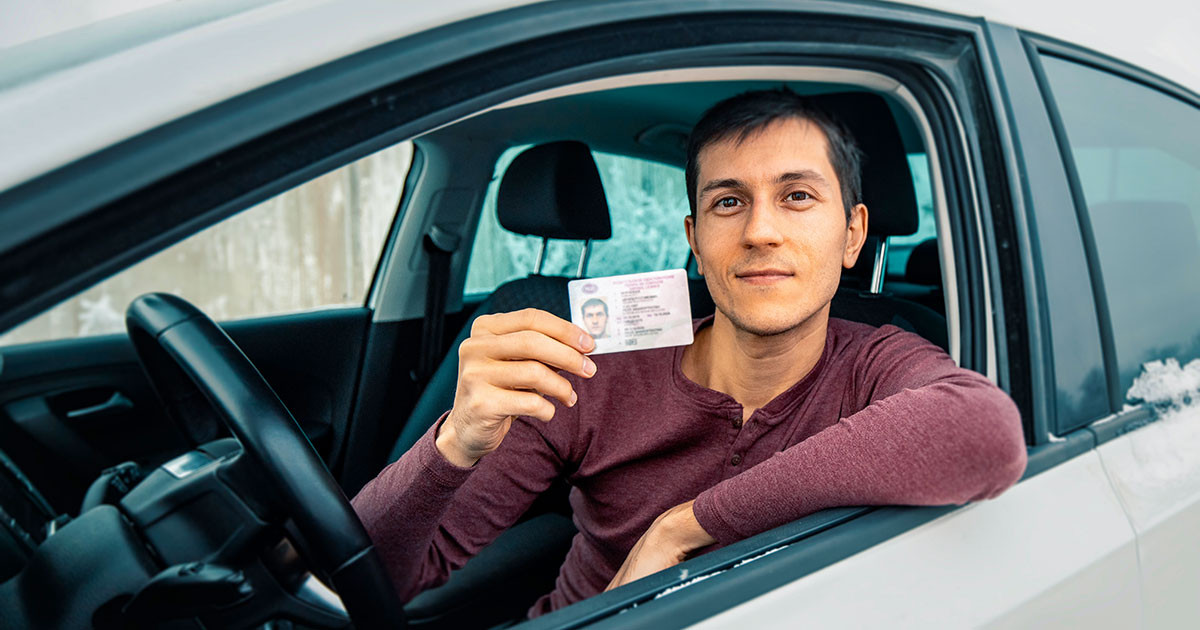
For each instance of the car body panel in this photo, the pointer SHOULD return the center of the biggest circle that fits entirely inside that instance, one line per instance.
(1155, 471)
(1056, 550)
(111, 93)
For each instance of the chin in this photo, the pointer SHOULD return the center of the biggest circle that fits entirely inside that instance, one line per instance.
(768, 322)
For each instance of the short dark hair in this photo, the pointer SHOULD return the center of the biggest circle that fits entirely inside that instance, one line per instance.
(594, 302)
(742, 115)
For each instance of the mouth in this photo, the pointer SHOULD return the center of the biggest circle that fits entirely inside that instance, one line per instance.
(763, 276)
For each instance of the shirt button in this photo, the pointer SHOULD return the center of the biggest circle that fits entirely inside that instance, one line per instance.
(736, 459)
(736, 422)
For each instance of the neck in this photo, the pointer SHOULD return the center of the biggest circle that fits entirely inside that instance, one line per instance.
(754, 369)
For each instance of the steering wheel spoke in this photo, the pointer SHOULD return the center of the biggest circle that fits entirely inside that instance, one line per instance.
(188, 359)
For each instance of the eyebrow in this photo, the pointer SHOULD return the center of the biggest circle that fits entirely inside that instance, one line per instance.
(804, 175)
(721, 183)
(808, 175)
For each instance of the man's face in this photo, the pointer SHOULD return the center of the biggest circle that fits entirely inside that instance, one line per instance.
(595, 319)
(770, 233)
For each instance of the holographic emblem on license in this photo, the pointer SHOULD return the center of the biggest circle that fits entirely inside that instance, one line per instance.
(637, 311)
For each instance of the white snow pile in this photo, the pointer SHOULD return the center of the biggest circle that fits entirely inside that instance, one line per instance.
(1166, 384)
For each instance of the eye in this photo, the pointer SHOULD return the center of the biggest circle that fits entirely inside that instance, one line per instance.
(799, 195)
(727, 202)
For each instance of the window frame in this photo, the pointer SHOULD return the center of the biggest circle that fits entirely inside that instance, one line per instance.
(1121, 418)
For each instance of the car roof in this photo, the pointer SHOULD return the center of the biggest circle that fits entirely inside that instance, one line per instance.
(72, 93)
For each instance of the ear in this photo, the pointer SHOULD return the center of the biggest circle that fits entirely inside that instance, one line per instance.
(856, 235)
(689, 227)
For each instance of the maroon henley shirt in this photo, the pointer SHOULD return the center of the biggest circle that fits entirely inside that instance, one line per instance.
(884, 418)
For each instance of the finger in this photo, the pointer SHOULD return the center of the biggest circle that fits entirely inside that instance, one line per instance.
(529, 344)
(517, 403)
(532, 375)
(538, 320)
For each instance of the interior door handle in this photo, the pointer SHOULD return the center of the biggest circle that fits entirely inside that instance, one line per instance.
(116, 402)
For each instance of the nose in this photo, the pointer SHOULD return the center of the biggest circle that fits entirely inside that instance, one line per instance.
(760, 229)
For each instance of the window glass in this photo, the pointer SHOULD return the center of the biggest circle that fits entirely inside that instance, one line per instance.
(314, 246)
(1137, 153)
(900, 247)
(647, 203)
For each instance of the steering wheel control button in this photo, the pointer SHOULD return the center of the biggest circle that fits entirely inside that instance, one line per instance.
(187, 464)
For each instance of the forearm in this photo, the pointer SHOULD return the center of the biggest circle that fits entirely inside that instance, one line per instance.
(401, 510)
(679, 530)
(952, 441)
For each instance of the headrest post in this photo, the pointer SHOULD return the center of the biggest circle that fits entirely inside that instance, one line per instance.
(583, 258)
(537, 269)
(880, 265)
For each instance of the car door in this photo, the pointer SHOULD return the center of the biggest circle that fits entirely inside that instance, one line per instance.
(1132, 148)
(289, 277)
(1058, 548)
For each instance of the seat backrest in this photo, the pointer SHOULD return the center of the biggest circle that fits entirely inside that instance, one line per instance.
(892, 210)
(550, 190)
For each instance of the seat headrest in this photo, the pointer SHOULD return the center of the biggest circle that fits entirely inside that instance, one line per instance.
(887, 182)
(553, 190)
(923, 265)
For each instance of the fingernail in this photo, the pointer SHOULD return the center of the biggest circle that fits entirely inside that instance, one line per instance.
(589, 366)
(574, 399)
(586, 342)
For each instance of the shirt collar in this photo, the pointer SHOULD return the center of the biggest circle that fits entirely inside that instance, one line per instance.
(773, 412)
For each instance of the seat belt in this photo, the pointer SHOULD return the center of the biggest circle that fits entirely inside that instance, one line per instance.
(440, 245)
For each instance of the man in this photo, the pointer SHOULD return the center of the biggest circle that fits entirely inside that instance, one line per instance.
(774, 412)
(595, 317)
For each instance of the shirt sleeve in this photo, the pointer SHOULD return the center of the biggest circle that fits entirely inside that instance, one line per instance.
(428, 516)
(928, 433)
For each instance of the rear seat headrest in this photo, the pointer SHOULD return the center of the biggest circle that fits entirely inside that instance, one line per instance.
(923, 265)
(887, 182)
(553, 190)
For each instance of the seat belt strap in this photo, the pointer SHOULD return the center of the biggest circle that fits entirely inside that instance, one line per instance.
(439, 246)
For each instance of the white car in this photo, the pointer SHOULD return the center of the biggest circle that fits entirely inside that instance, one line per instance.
(321, 177)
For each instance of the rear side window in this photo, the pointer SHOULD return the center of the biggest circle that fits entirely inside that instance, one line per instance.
(1137, 154)
(647, 202)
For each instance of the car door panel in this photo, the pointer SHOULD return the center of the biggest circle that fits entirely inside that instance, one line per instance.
(1155, 471)
(1055, 550)
(73, 407)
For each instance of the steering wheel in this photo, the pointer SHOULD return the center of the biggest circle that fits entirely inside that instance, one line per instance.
(196, 370)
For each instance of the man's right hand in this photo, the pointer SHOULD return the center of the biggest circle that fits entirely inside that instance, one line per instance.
(504, 369)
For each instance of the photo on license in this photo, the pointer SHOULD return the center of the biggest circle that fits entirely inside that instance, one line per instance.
(636, 311)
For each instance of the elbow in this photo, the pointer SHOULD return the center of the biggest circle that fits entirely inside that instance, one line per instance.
(1001, 454)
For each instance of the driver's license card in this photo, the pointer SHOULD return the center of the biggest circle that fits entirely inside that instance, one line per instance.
(637, 311)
